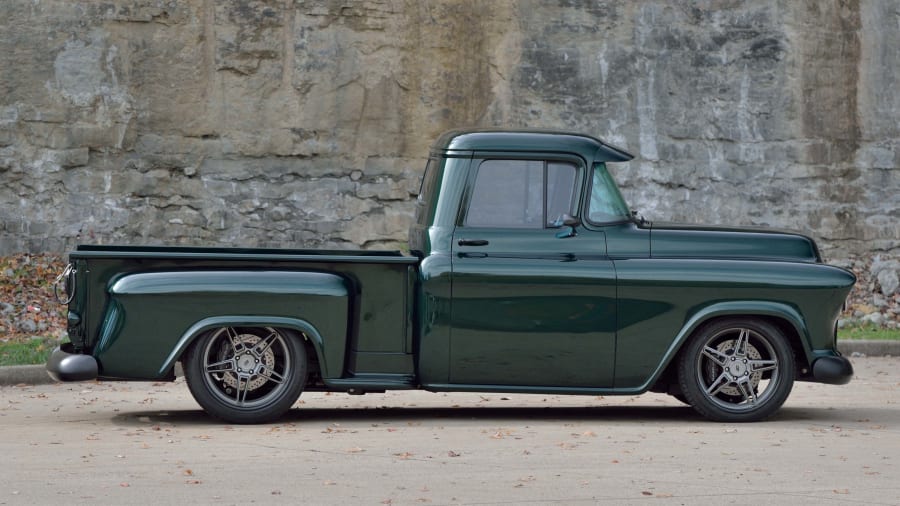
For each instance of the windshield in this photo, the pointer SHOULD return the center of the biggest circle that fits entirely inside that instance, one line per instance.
(606, 203)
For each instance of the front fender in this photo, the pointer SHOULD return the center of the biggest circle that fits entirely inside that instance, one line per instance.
(730, 308)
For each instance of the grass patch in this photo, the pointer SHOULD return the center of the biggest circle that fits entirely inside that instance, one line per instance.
(35, 351)
(868, 332)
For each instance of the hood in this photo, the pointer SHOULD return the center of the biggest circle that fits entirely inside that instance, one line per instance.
(675, 240)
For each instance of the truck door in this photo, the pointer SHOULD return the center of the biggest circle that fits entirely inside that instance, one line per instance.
(533, 305)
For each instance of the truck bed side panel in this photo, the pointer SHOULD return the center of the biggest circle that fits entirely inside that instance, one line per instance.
(375, 318)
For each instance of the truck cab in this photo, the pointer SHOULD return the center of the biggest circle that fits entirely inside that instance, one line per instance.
(516, 224)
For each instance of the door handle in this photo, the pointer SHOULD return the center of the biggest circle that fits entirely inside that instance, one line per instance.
(473, 242)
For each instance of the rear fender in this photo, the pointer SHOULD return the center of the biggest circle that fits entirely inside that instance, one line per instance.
(303, 327)
(153, 317)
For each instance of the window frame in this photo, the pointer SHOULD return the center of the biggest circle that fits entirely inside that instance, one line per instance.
(480, 158)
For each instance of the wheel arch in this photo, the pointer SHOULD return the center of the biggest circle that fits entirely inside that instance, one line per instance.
(784, 317)
(304, 328)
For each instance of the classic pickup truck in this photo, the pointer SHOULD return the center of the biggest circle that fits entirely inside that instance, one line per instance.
(526, 273)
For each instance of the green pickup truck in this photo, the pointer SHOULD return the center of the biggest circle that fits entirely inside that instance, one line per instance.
(527, 273)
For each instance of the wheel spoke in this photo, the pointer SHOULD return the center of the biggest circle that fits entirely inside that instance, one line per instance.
(223, 366)
(715, 355)
(246, 390)
(746, 390)
(271, 375)
(740, 346)
(240, 394)
(721, 382)
(237, 345)
(762, 365)
(264, 344)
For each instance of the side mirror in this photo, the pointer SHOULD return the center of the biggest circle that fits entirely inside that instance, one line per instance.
(568, 221)
(565, 220)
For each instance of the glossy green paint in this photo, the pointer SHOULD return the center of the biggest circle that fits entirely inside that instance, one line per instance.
(605, 309)
(137, 305)
(456, 142)
(661, 301)
(690, 241)
(544, 314)
(186, 299)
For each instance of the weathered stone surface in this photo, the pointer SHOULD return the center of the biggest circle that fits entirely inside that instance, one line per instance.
(885, 272)
(306, 123)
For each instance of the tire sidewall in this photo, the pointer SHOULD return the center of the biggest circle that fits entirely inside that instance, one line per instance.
(692, 390)
(295, 377)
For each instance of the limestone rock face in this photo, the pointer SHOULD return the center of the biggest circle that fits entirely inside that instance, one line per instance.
(289, 123)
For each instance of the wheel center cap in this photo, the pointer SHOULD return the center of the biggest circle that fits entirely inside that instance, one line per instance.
(737, 368)
(246, 362)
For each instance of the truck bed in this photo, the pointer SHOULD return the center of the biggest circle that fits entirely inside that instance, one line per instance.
(376, 334)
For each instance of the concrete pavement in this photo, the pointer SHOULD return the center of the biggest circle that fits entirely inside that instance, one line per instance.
(135, 443)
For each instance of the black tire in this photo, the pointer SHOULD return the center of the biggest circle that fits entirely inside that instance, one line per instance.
(680, 398)
(246, 374)
(737, 370)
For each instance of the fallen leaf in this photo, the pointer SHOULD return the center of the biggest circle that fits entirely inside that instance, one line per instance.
(646, 492)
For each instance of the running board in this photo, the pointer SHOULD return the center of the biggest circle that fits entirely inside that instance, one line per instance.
(362, 383)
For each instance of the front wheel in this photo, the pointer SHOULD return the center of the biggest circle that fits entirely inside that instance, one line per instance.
(737, 370)
(246, 375)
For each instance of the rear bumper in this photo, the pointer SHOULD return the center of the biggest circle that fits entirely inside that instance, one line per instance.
(65, 365)
(836, 370)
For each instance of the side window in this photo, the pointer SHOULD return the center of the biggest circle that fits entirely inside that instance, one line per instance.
(521, 193)
(606, 203)
(560, 190)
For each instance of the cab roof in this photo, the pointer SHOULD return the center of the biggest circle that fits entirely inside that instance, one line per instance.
(466, 141)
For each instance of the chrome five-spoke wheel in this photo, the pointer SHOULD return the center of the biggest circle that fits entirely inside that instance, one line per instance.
(246, 374)
(737, 370)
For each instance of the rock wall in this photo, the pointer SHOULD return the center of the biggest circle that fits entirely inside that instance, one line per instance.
(305, 123)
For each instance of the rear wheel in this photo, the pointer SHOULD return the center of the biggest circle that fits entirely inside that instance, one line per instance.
(246, 374)
(737, 370)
